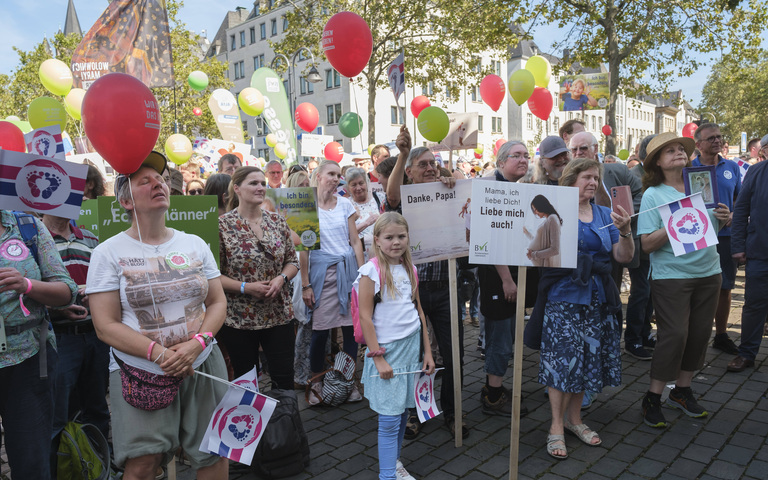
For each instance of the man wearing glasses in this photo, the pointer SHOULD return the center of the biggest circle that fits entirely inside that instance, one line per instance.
(710, 143)
(275, 174)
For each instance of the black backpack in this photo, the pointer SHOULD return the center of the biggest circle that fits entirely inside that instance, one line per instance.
(283, 450)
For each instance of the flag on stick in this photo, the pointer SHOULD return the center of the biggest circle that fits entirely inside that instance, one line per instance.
(688, 225)
(424, 393)
(45, 142)
(396, 75)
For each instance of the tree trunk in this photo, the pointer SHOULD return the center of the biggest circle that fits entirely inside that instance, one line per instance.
(614, 62)
(371, 107)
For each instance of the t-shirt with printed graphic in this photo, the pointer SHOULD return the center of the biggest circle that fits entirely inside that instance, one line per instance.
(172, 310)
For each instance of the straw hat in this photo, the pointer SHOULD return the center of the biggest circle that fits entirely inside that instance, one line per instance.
(662, 140)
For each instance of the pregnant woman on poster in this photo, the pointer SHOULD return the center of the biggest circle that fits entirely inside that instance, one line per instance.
(544, 250)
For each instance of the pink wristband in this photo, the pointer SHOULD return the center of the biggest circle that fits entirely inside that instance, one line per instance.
(200, 339)
(29, 286)
(376, 353)
(149, 350)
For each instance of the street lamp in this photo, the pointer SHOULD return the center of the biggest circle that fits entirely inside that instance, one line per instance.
(714, 120)
(313, 76)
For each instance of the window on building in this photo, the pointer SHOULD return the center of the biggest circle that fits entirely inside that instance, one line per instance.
(529, 121)
(273, 26)
(474, 94)
(479, 123)
(232, 42)
(594, 123)
(497, 67)
(431, 88)
(262, 31)
(599, 120)
(242, 38)
(239, 68)
(556, 124)
(496, 125)
(395, 117)
(306, 87)
(478, 64)
(332, 79)
(261, 126)
(253, 34)
(271, 3)
(333, 112)
(285, 23)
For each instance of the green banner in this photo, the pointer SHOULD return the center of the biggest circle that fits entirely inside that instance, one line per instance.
(196, 215)
(299, 207)
(277, 110)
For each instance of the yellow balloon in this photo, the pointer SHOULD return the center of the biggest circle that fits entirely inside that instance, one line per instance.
(271, 140)
(521, 85)
(46, 111)
(251, 101)
(541, 70)
(281, 150)
(480, 149)
(178, 148)
(56, 76)
(73, 102)
(370, 148)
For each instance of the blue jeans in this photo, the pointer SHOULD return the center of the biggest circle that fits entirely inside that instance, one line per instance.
(753, 315)
(26, 406)
(639, 305)
(391, 432)
(499, 343)
(81, 381)
(317, 347)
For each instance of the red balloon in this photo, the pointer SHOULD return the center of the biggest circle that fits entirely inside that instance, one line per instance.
(418, 104)
(492, 90)
(12, 138)
(347, 43)
(540, 103)
(689, 129)
(197, 111)
(334, 151)
(478, 156)
(307, 116)
(607, 130)
(122, 120)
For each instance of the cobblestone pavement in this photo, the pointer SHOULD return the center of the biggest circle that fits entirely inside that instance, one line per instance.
(729, 444)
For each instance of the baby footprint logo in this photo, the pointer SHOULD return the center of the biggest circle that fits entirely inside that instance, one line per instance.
(43, 185)
(688, 225)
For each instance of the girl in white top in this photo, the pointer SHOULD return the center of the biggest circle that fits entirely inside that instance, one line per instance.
(394, 331)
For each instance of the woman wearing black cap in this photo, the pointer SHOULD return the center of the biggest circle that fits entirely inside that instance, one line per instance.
(157, 301)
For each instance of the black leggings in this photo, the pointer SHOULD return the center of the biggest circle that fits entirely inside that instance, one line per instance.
(278, 344)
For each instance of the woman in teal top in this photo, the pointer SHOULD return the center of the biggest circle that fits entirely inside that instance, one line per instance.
(684, 289)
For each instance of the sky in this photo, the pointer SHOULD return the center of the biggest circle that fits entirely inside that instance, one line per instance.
(25, 23)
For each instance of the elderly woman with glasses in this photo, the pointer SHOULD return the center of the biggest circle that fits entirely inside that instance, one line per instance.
(368, 204)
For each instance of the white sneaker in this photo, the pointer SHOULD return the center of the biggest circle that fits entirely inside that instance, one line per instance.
(401, 472)
(355, 396)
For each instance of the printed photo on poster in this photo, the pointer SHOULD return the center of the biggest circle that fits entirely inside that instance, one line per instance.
(436, 218)
(523, 225)
(584, 92)
(702, 180)
(462, 133)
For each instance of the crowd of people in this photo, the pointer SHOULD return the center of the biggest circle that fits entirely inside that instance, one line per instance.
(139, 313)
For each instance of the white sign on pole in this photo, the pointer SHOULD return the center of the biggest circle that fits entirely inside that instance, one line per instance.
(313, 145)
(462, 133)
(523, 224)
(438, 219)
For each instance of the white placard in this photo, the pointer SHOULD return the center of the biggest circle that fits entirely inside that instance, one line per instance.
(312, 145)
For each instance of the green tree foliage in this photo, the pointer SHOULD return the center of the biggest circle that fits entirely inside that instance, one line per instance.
(647, 43)
(175, 103)
(737, 94)
(439, 38)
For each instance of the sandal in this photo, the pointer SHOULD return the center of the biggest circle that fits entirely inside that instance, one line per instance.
(556, 442)
(584, 433)
(412, 427)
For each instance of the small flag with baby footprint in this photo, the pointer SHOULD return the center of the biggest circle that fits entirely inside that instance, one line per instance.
(688, 225)
(424, 393)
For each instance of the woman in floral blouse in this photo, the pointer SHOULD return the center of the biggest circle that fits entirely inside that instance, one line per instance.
(258, 261)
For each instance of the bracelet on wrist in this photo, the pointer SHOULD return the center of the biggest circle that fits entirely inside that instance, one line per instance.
(285, 278)
(242, 288)
(306, 287)
(29, 286)
(625, 235)
(149, 350)
(376, 353)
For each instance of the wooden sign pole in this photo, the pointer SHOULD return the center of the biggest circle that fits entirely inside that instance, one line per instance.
(517, 374)
(455, 342)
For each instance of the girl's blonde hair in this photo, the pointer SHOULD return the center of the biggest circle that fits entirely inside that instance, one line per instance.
(385, 220)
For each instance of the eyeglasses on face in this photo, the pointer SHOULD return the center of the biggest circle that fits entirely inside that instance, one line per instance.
(427, 164)
(713, 139)
(518, 156)
(195, 191)
(583, 148)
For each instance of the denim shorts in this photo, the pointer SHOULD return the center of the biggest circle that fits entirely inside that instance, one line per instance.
(499, 343)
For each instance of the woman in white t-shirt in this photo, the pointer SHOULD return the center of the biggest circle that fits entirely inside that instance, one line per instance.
(156, 299)
(368, 205)
(327, 274)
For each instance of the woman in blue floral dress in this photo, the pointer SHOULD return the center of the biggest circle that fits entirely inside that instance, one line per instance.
(580, 336)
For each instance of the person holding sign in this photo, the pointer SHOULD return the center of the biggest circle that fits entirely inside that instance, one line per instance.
(395, 330)
(327, 274)
(581, 333)
(544, 250)
(157, 300)
(258, 261)
(685, 289)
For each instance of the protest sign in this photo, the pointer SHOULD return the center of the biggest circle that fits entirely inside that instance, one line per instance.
(584, 92)
(46, 142)
(299, 207)
(41, 184)
(277, 111)
(226, 113)
(424, 395)
(462, 133)
(688, 225)
(523, 224)
(196, 214)
(313, 145)
(437, 219)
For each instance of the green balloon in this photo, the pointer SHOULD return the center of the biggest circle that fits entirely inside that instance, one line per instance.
(197, 80)
(350, 125)
(624, 154)
(433, 124)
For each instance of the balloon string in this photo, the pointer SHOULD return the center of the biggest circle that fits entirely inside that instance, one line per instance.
(357, 110)
(143, 253)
